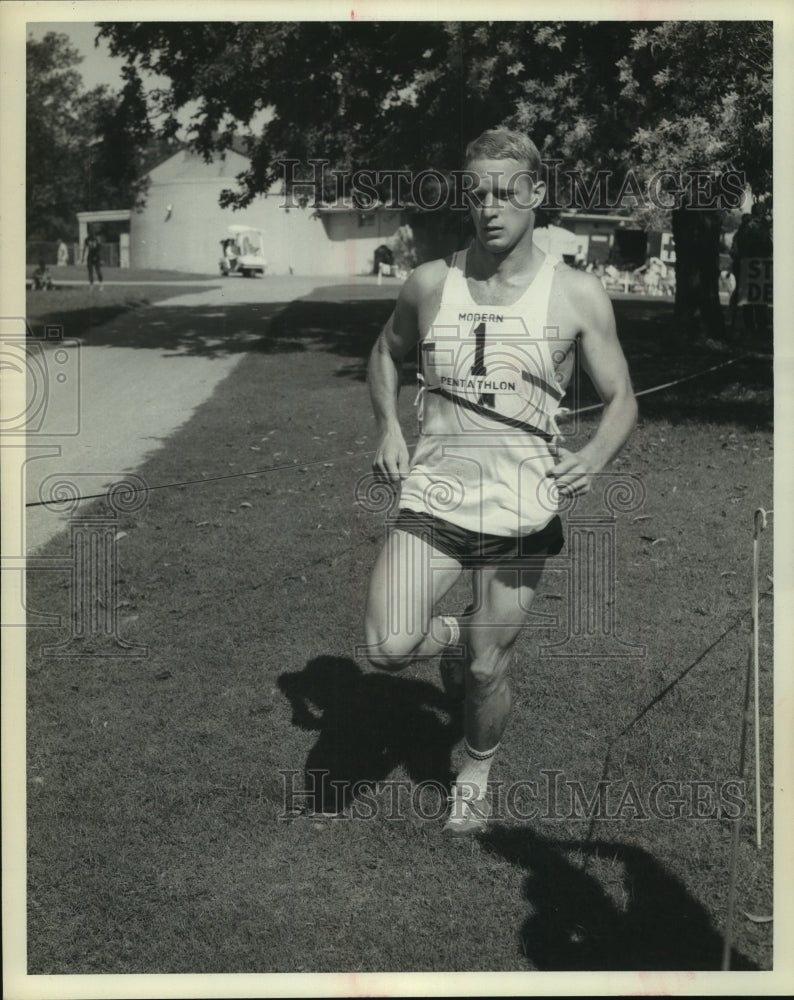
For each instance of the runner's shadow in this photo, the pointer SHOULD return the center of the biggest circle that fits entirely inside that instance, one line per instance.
(648, 921)
(367, 725)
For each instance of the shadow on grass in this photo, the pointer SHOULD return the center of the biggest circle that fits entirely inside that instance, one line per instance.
(75, 311)
(193, 331)
(740, 392)
(368, 724)
(347, 327)
(339, 319)
(576, 926)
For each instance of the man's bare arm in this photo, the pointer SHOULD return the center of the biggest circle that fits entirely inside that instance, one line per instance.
(400, 334)
(606, 365)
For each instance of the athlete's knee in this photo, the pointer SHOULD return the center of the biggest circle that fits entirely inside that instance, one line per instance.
(489, 665)
(385, 656)
(391, 653)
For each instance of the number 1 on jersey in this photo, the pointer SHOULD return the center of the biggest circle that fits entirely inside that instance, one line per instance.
(478, 368)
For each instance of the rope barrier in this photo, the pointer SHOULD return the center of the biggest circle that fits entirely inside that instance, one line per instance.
(656, 388)
(195, 482)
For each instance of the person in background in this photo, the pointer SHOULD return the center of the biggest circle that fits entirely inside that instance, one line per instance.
(753, 239)
(230, 254)
(42, 279)
(92, 257)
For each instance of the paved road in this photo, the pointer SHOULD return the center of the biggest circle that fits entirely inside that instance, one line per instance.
(120, 404)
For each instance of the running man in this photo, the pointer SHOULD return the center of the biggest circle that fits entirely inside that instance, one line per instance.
(497, 326)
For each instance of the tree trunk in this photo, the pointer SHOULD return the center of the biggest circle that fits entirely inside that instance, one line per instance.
(697, 271)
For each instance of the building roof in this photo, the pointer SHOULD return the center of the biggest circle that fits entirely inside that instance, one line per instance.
(185, 165)
(596, 216)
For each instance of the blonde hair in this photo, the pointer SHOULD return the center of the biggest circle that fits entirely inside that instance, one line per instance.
(504, 144)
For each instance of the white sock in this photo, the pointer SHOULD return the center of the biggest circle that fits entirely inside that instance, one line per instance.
(474, 773)
(454, 629)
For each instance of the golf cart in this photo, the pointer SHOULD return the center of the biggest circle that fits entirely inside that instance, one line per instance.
(242, 252)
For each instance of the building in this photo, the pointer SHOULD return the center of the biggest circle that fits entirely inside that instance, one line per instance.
(182, 224)
(115, 228)
(602, 238)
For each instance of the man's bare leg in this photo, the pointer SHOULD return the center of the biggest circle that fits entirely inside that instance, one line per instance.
(490, 633)
(453, 664)
(408, 579)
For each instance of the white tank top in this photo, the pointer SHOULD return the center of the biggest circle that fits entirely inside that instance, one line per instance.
(490, 396)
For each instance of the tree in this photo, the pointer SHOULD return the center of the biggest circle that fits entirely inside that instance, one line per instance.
(717, 78)
(85, 149)
(693, 99)
(52, 87)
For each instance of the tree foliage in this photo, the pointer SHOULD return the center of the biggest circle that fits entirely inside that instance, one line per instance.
(408, 95)
(86, 150)
(703, 91)
(52, 86)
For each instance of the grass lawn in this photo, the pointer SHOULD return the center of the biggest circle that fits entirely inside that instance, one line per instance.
(160, 839)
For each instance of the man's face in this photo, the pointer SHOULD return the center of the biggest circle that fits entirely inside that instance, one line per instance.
(501, 202)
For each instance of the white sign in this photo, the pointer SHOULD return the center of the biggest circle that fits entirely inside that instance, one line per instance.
(667, 249)
(755, 282)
